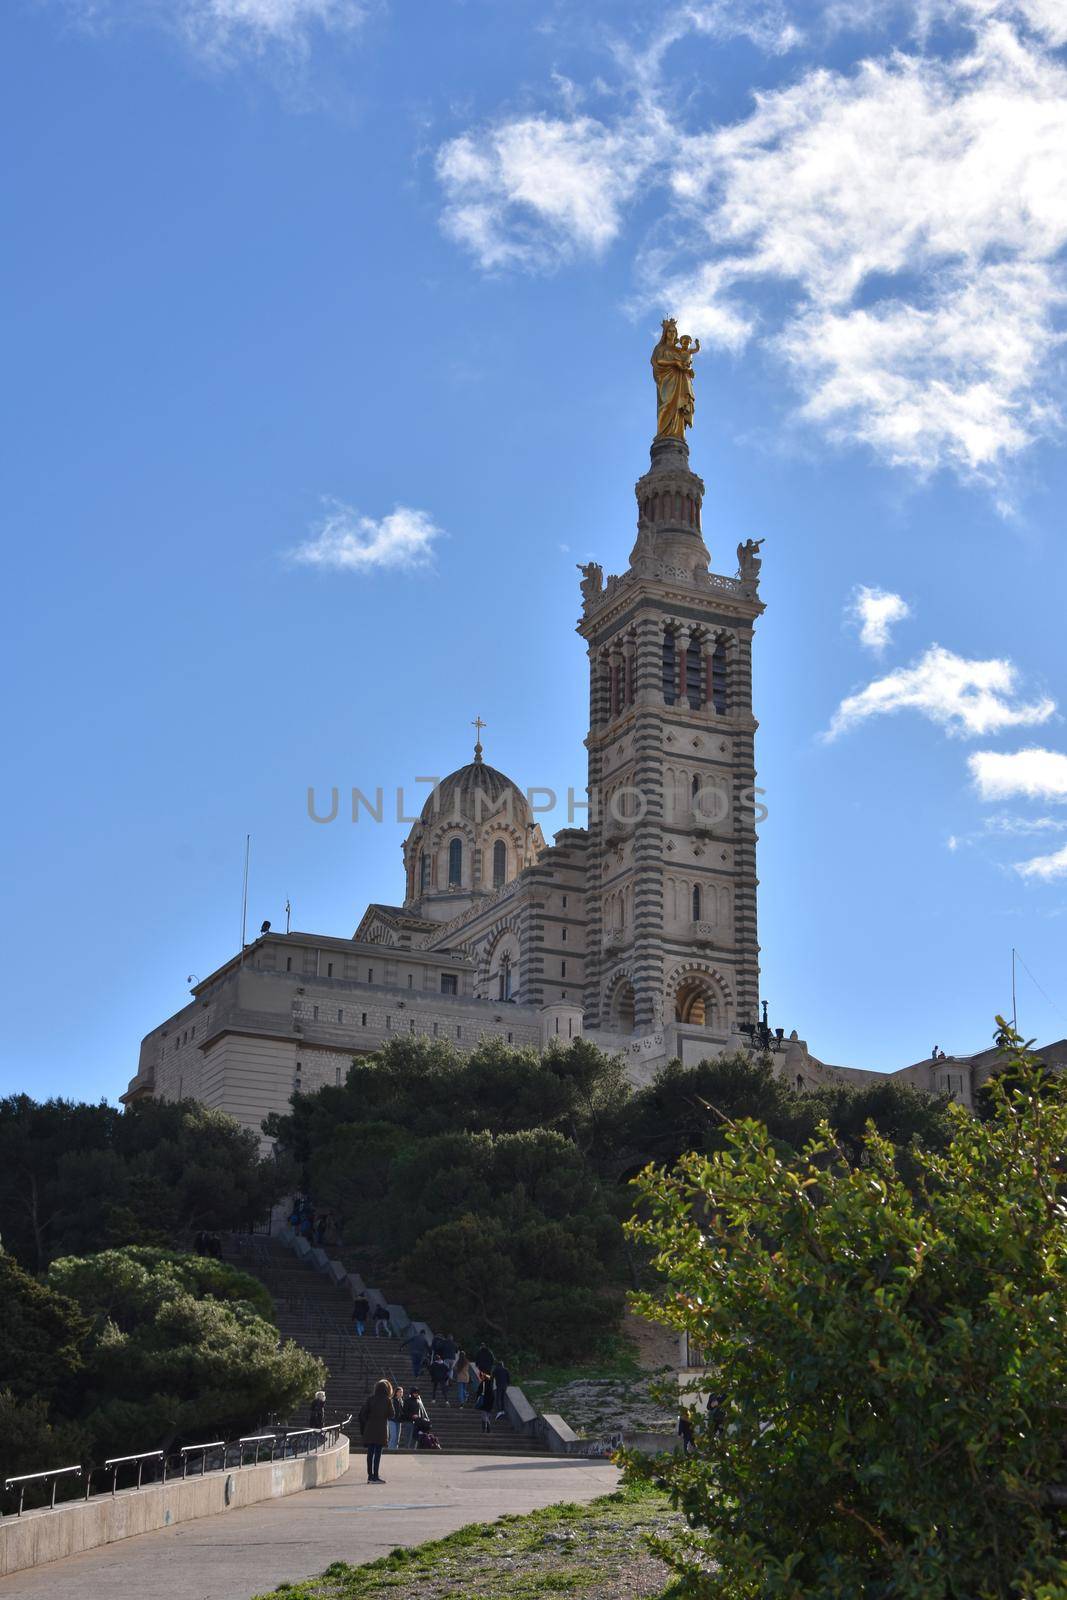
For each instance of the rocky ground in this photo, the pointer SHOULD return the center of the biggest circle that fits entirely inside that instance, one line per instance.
(597, 1552)
(613, 1397)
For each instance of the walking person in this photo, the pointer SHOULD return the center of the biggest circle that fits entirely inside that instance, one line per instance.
(415, 1415)
(501, 1381)
(318, 1409)
(439, 1377)
(374, 1417)
(685, 1430)
(418, 1349)
(360, 1313)
(484, 1402)
(484, 1358)
(461, 1374)
(397, 1418)
(380, 1318)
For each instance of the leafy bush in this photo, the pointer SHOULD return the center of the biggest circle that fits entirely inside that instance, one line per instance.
(177, 1346)
(892, 1354)
(128, 1349)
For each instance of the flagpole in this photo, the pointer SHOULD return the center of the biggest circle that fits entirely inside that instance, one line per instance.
(244, 894)
(1014, 1016)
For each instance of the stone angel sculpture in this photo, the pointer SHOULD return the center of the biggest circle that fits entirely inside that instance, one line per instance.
(592, 583)
(749, 560)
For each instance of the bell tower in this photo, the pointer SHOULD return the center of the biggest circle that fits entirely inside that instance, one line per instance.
(671, 898)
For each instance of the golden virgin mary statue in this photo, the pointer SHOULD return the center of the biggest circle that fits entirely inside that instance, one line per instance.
(672, 368)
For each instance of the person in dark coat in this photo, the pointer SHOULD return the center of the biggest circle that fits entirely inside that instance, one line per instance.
(360, 1313)
(484, 1358)
(418, 1349)
(440, 1376)
(375, 1414)
(484, 1401)
(501, 1380)
(318, 1409)
(685, 1429)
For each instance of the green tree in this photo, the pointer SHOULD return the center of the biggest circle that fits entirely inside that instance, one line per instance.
(76, 1178)
(177, 1345)
(892, 1355)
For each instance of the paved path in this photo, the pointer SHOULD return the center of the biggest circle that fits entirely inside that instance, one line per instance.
(242, 1553)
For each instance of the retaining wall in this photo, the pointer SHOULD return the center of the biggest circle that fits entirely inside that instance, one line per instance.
(40, 1536)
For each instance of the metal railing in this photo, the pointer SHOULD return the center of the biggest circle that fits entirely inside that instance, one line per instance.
(232, 1457)
(54, 1473)
(115, 1462)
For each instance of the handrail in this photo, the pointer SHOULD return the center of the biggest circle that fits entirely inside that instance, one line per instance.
(328, 1436)
(187, 1449)
(115, 1462)
(31, 1477)
(257, 1439)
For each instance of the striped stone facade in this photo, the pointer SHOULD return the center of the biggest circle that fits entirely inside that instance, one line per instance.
(671, 887)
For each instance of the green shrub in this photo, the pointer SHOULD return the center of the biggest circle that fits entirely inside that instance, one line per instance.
(893, 1356)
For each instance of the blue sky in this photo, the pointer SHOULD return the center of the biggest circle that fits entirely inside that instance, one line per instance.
(327, 347)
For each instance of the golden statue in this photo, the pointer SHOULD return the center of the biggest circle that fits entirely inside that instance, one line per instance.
(672, 368)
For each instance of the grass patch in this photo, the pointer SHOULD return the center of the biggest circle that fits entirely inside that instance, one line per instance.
(558, 1550)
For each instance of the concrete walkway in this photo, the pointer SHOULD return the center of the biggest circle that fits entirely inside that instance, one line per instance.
(238, 1554)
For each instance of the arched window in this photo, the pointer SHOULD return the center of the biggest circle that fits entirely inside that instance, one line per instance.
(505, 977)
(669, 695)
(696, 902)
(455, 863)
(694, 671)
(424, 871)
(500, 864)
(718, 678)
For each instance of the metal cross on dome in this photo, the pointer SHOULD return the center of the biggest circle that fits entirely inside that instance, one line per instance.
(478, 724)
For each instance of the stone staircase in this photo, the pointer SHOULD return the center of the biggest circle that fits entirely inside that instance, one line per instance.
(316, 1313)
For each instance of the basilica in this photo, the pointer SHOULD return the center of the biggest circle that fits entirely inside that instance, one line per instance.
(637, 931)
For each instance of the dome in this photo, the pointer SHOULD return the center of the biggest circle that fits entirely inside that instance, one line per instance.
(476, 792)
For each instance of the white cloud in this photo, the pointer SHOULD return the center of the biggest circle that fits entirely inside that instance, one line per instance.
(874, 612)
(348, 542)
(1044, 867)
(540, 188)
(224, 30)
(964, 697)
(1038, 774)
(1014, 826)
(893, 234)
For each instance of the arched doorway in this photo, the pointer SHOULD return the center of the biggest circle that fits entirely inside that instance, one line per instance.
(697, 1003)
(622, 1008)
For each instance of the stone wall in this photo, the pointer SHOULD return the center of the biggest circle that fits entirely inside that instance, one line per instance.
(41, 1536)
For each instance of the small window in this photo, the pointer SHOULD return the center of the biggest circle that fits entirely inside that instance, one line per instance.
(564, 994)
(511, 1038)
(388, 1023)
(370, 974)
(411, 1025)
(300, 1066)
(459, 1033)
(696, 902)
(435, 1030)
(337, 1076)
(557, 1024)
(424, 872)
(563, 969)
(329, 969)
(340, 1014)
(288, 963)
(563, 936)
(455, 863)
(411, 979)
(449, 983)
(363, 1019)
(315, 1013)
(564, 902)
(500, 864)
